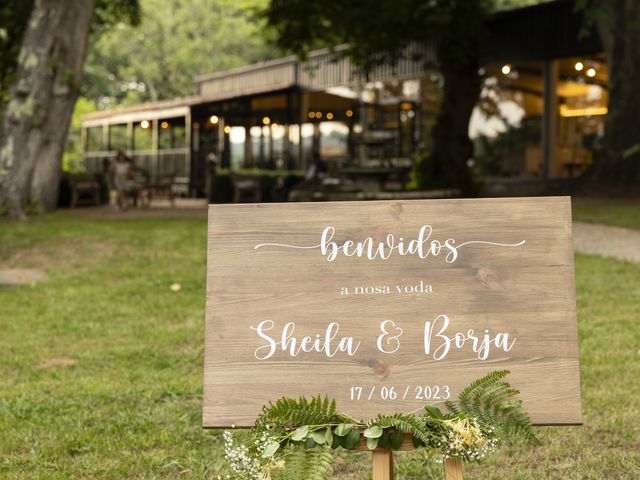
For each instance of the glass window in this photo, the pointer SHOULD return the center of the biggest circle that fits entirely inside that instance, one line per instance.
(94, 139)
(118, 137)
(334, 139)
(237, 139)
(142, 135)
(171, 133)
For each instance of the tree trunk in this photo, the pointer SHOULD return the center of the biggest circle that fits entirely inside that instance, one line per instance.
(619, 160)
(43, 96)
(452, 147)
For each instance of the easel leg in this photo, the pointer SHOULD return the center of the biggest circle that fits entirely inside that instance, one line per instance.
(452, 469)
(382, 465)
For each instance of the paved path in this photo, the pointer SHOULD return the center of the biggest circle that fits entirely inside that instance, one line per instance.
(608, 241)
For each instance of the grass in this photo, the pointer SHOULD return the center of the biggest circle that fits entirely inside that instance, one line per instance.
(101, 366)
(621, 212)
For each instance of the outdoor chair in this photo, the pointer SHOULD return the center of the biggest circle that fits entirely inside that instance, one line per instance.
(246, 188)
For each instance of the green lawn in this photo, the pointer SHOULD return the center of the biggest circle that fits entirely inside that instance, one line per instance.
(621, 212)
(101, 367)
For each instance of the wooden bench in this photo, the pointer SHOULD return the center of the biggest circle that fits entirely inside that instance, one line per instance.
(85, 189)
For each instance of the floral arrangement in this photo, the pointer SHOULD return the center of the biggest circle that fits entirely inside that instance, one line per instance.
(293, 439)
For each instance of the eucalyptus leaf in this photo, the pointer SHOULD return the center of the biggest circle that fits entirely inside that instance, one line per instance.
(374, 431)
(372, 443)
(342, 429)
(270, 450)
(352, 440)
(328, 436)
(385, 440)
(319, 437)
(337, 441)
(300, 433)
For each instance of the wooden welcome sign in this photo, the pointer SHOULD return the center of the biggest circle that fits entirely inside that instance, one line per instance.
(388, 306)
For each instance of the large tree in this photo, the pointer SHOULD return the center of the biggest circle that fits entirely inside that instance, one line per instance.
(618, 23)
(45, 83)
(175, 41)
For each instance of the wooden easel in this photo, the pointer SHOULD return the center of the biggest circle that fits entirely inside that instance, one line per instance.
(382, 462)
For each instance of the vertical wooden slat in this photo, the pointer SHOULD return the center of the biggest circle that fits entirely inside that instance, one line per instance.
(188, 150)
(130, 141)
(155, 169)
(452, 469)
(382, 465)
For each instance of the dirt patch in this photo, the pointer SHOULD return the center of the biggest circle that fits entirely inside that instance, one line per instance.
(20, 276)
(185, 209)
(56, 362)
(69, 257)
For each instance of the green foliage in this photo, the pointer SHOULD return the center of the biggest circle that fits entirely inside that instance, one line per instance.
(158, 57)
(315, 464)
(289, 429)
(413, 424)
(493, 402)
(288, 412)
(110, 13)
(14, 15)
(72, 161)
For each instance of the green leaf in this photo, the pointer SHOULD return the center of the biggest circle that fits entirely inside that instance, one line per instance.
(310, 443)
(352, 440)
(270, 450)
(417, 443)
(328, 436)
(342, 429)
(319, 437)
(373, 431)
(372, 443)
(396, 439)
(434, 411)
(300, 433)
(337, 441)
(385, 441)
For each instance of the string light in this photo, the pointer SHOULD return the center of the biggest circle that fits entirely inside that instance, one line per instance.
(329, 116)
(266, 120)
(145, 124)
(349, 113)
(591, 72)
(579, 66)
(312, 114)
(164, 125)
(506, 69)
(227, 129)
(214, 119)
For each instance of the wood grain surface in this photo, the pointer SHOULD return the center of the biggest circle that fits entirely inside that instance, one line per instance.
(525, 292)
